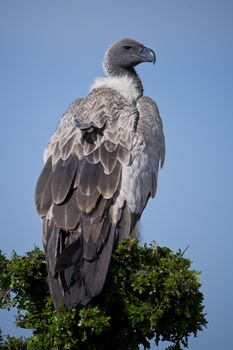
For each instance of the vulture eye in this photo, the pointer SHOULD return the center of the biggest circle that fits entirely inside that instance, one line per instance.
(126, 47)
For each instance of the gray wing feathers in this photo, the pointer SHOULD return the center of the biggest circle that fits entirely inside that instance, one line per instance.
(62, 178)
(88, 177)
(139, 179)
(77, 190)
(96, 271)
(108, 158)
(66, 216)
(151, 130)
(87, 203)
(43, 193)
(150, 126)
(100, 168)
(108, 183)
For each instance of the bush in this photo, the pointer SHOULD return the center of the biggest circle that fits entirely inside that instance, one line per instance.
(150, 292)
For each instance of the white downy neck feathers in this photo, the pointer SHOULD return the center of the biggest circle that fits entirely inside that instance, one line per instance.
(124, 85)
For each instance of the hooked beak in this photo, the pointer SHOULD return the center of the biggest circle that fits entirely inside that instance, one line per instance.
(147, 55)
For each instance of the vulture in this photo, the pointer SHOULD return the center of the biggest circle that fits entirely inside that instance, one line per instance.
(101, 167)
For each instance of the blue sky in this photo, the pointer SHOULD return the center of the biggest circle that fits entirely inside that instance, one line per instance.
(51, 51)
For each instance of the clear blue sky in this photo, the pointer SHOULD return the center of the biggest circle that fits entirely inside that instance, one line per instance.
(51, 51)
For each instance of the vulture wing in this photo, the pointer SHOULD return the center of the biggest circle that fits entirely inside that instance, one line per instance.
(100, 168)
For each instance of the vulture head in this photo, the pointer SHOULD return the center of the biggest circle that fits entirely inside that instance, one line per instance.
(125, 54)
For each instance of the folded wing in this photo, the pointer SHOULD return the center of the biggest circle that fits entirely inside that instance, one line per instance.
(77, 191)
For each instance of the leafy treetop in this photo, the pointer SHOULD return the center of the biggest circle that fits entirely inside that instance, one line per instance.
(150, 292)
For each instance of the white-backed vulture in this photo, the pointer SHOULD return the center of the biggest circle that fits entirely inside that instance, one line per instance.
(101, 166)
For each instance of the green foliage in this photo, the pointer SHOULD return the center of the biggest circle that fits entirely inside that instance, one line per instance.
(148, 293)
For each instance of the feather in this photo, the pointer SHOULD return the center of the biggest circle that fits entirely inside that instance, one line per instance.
(89, 176)
(78, 150)
(150, 124)
(108, 184)
(63, 177)
(108, 159)
(98, 212)
(43, 194)
(68, 147)
(110, 146)
(68, 132)
(66, 215)
(123, 155)
(47, 230)
(69, 256)
(94, 157)
(95, 271)
(86, 203)
(55, 290)
(153, 184)
(89, 247)
(124, 224)
(112, 136)
(52, 248)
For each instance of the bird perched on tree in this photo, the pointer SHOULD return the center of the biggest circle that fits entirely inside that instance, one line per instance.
(101, 167)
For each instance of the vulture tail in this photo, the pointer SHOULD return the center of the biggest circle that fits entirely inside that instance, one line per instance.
(77, 269)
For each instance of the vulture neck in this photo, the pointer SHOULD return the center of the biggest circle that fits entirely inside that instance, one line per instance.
(128, 72)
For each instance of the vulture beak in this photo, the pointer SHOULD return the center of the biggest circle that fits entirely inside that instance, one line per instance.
(147, 55)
